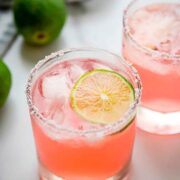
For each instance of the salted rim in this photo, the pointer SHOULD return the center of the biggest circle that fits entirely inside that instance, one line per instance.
(157, 55)
(108, 129)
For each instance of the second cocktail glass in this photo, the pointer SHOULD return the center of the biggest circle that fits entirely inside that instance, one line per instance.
(151, 43)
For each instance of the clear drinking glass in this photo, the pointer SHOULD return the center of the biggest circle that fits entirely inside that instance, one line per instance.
(73, 149)
(151, 42)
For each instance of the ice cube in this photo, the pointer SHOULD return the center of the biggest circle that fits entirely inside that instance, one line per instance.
(54, 86)
(177, 51)
(55, 110)
(58, 116)
(97, 65)
(88, 65)
(74, 72)
(159, 29)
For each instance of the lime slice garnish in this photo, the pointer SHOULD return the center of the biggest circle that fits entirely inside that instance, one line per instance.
(102, 96)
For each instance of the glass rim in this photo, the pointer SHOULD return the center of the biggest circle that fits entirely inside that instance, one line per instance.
(158, 56)
(107, 129)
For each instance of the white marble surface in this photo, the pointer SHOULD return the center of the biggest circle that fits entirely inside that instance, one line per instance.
(98, 24)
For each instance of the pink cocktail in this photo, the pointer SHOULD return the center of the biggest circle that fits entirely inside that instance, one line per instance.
(68, 146)
(152, 43)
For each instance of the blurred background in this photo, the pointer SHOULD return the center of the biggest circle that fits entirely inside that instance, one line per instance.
(90, 23)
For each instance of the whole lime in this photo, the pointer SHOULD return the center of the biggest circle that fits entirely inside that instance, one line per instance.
(5, 79)
(39, 21)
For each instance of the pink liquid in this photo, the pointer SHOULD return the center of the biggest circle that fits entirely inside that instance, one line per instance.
(74, 157)
(157, 28)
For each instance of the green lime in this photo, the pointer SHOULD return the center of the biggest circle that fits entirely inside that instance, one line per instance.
(39, 21)
(5, 79)
(102, 96)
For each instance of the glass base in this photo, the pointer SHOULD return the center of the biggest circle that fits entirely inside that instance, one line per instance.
(47, 175)
(158, 123)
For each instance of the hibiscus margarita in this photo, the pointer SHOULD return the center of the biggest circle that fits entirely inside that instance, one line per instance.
(152, 44)
(83, 105)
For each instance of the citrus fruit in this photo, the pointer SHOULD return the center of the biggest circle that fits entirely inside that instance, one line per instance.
(39, 21)
(102, 96)
(5, 79)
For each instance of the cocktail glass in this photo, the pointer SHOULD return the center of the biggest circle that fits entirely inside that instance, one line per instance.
(66, 149)
(151, 42)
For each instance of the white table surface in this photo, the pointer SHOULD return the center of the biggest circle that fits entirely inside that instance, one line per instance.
(99, 24)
